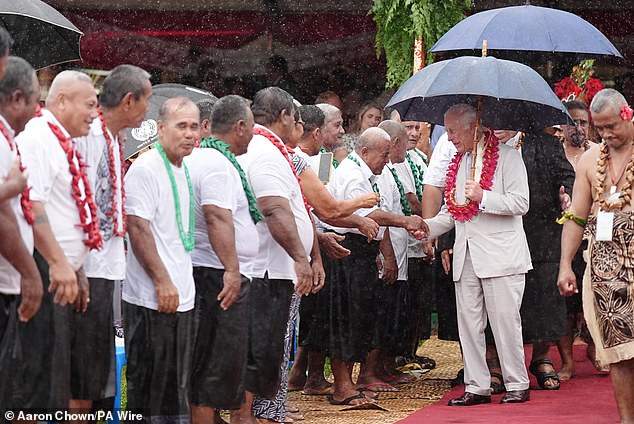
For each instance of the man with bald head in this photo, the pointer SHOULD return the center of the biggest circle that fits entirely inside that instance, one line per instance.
(65, 229)
(353, 278)
(158, 296)
(486, 210)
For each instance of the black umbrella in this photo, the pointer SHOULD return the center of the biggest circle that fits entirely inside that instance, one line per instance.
(138, 139)
(42, 35)
(511, 96)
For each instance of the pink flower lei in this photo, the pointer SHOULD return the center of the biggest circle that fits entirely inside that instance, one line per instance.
(89, 225)
(465, 211)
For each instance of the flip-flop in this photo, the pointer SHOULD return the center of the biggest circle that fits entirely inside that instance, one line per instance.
(346, 401)
(371, 387)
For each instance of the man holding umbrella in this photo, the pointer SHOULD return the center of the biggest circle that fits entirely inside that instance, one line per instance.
(486, 211)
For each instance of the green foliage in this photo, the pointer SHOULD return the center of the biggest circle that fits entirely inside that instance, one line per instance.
(400, 22)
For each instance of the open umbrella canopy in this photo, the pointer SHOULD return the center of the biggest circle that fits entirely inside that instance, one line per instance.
(513, 96)
(41, 34)
(527, 28)
(139, 138)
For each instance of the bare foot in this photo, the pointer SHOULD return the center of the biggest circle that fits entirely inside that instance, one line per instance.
(295, 416)
(566, 372)
(375, 384)
(323, 389)
(237, 418)
(397, 377)
(296, 381)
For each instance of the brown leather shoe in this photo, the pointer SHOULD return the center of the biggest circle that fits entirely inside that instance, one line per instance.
(468, 399)
(516, 396)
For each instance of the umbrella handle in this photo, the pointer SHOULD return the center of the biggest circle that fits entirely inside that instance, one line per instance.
(475, 139)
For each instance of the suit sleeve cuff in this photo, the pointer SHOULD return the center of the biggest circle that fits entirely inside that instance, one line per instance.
(483, 202)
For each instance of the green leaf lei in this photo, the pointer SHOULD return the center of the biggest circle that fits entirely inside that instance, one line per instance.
(188, 240)
(335, 162)
(222, 147)
(418, 177)
(401, 191)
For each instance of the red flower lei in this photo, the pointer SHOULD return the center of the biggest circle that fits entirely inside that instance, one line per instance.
(113, 181)
(285, 151)
(89, 225)
(464, 212)
(25, 199)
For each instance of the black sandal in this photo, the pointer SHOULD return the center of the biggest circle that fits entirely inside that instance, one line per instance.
(543, 376)
(497, 387)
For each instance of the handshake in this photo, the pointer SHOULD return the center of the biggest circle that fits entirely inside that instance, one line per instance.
(416, 226)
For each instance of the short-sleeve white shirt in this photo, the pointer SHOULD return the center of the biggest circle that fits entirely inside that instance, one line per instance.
(391, 202)
(436, 172)
(270, 175)
(9, 277)
(350, 180)
(109, 262)
(51, 182)
(217, 182)
(149, 196)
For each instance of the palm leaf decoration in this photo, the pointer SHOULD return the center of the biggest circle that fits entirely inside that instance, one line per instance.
(401, 22)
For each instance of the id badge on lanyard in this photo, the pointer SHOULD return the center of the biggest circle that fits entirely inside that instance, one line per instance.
(605, 225)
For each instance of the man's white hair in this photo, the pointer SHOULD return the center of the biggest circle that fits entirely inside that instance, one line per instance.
(329, 111)
(608, 97)
(64, 81)
(372, 138)
(465, 113)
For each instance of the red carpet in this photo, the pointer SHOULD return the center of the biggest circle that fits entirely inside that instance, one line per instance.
(587, 398)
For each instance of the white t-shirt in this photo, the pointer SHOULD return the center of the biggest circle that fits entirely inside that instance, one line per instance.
(217, 182)
(415, 247)
(270, 175)
(351, 180)
(51, 180)
(391, 202)
(109, 262)
(149, 196)
(9, 277)
(436, 172)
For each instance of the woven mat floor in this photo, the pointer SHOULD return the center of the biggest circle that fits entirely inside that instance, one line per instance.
(426, 390)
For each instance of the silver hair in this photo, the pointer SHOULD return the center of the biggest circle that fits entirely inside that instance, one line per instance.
(63, 82)
(608, 97)
(372, 138)
(466, 114)
(329, 111)
(394, 129)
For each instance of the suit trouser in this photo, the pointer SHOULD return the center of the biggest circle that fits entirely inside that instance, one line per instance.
(500, 298)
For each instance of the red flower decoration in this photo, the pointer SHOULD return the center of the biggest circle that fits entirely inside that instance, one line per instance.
(592, 87)
(566, 87)
(25, 199)
(626, 113)
(88, 224)
(113, 180)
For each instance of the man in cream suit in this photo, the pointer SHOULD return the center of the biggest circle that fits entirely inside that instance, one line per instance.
(491, 257)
